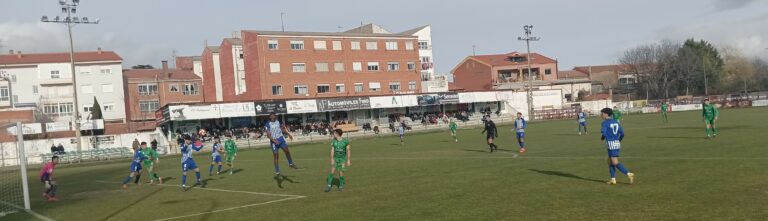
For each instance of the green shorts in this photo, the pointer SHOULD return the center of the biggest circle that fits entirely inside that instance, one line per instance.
(709, 121)
(338, 163)
(148, 165)
(230, 158)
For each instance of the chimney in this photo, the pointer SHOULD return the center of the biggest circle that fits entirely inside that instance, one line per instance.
(10, 51)
(165, 69)
(98, 50)
(18, 54)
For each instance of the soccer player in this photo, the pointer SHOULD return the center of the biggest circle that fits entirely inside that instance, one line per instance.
(616, 114)
(231, 148)
(340, 159)
(187, 163)
(275, 132)
(46, 177)
(581, 117)
(613, 133)
(710, 114)
(216, 156)
(520, 126)
(664, 112)
(490, 127)
(138, 157)
(453, 126)
(401, 131)
(152, 159)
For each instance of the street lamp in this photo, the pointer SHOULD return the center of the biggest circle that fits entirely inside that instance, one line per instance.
(68, 8)
(528, 38)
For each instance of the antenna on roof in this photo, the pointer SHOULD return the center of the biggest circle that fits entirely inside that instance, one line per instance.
(339, 27)
(473, 50)
(282, 21)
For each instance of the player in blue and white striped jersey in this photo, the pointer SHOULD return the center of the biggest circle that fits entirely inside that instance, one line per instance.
(613, 133)
(275, 132)
(187, 163)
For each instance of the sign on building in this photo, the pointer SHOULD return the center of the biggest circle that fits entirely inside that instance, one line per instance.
(264, 108)
(33, 128)
(57, 127)
(435, 99)
(301, 106)
(337, 104)
(97, 124)
(237, 110)
(194, 112)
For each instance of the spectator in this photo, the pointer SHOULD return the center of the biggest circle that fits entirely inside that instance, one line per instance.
(54, 150)
(153, 144)
(60, 149)
(135, 144)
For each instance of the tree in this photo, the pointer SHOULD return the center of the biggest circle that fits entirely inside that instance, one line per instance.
(142, 66)
(710, 66)
(654, 65)
(740, 72)
(96, 110)
(761, 71)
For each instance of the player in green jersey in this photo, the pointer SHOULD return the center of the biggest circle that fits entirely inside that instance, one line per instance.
(710, 114)
(664, 107)
(231, 148)
(616, 114)
(453, 126)
(340, 158)
(152, 159)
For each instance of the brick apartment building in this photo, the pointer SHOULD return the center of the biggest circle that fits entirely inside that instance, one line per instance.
(263, 65)
(482, 72)
(149, 89)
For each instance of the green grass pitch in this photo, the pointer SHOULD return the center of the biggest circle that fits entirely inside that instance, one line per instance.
(680, 176)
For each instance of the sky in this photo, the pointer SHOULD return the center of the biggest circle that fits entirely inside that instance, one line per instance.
(576, 33)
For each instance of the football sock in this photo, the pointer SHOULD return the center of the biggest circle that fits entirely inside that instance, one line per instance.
(288, 156)
(277, 168)
(210, 169)
(707, 131)
(219, 168)
(52, 193)
(341, 181)
(522, 144)
(184, 179)
(138, 176)
(612, 169)
(329, 180)
(127, 179)
(621, 168)
(197, 175)
(714, 129)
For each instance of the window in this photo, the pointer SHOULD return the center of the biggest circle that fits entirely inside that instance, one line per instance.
(109, 107)
(323, 88)
(411, 66)
(299, 67)
(393, 66)
(272, 44)
(87, 89)
(66, 109)
(297, 45)
(106, 70)
(55, 75)
(547, 71)
(337, 45)
(147, 89)
(173, 87)
(412, 85)
(274, 67)
(373, 66)
(35, 90)
(409, 45)
(242, 55)
(340, 88)
(51, 109)
(190, 89)
(277, 90)
(149, 106)
(320, 45)
(357, 66)
(321, 67)
(394, 86)
(4, 93)
(300, 89)
(391, 45)
(88, 108)
(425, 59)
(338, 67)
(355, 45)
(13, 78)
(371, 45)
(358, 87)
(374, 86)
(107, 88)
(423, 45)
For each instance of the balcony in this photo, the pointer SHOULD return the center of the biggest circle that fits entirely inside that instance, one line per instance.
(56, 81)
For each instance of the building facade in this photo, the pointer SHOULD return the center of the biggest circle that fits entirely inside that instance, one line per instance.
(44, 82)
(149, 89)
(482, 72)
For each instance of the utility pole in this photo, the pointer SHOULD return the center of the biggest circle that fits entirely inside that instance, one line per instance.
(528, 38)
(69, 7)
(704, 70)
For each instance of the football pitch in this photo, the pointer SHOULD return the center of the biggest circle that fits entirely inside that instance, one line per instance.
(680, 176)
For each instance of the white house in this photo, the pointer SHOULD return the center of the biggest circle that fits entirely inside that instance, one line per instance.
(44, 82)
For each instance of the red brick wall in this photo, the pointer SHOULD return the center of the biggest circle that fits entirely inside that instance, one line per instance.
(185, 63)
(473, 76)
(227, 71)
(209, 85)
(165, 96)
(257, 66)
(25, 116)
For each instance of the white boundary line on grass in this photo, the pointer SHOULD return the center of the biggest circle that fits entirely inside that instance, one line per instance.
(288, 197)
(516, 156)
(33, 213)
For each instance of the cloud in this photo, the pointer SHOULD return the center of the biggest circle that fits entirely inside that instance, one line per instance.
(747, 35)
(45, 37)
(724, 5)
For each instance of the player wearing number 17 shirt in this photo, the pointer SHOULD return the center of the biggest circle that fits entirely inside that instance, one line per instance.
(613, 133)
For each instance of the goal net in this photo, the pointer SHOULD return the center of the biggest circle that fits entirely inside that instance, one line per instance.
(12, 175)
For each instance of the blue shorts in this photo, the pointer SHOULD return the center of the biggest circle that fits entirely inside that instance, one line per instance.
(281, 145)
(135, 167)
(614, 153)
(583, 123)
(216, 159)
(520, 134)
(188, 165)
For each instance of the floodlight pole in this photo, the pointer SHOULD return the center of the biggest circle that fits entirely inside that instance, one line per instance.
(70, 7)
(528, 38)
